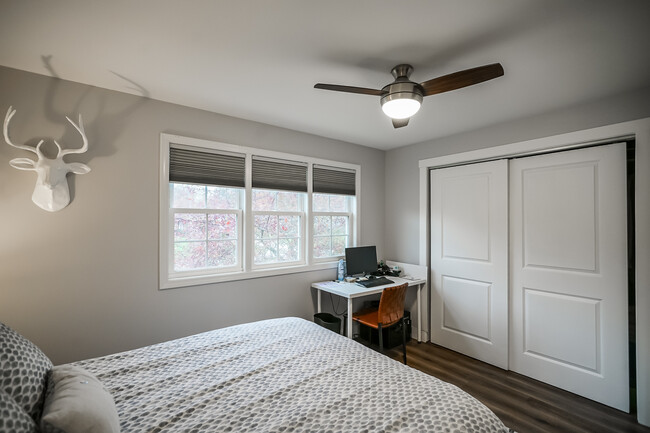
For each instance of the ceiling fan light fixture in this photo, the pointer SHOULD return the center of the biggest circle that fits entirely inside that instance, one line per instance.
(401, 99)
(400, 108)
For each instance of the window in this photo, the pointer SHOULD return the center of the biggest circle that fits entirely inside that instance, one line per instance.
(231, 212)
(207, 224)
(278, 220)
(331, 225)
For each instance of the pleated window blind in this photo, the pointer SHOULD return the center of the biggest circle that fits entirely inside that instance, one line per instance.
(206, 168)
(278, 174)
(333, 180)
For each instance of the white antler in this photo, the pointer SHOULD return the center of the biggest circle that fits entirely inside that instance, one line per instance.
(80, 128)
(5, 130)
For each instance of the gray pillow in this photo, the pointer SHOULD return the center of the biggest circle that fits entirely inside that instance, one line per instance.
(23, 370)
(13, 419)
(77, 402)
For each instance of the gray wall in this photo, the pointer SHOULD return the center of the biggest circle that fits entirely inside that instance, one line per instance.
(83, 282)
(402, 172)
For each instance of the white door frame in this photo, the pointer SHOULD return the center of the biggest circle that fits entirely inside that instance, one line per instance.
(640, 131)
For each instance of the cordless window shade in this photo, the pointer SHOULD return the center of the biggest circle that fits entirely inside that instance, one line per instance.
(206, 168)
(331, 180)
(279, 174)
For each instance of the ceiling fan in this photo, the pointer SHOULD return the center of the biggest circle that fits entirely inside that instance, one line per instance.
(402, 98)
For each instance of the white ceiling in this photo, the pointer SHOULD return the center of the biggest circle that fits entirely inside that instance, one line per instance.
(259, 59)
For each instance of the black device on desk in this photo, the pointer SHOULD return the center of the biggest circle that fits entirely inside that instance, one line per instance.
(375, 281)
(362, 261)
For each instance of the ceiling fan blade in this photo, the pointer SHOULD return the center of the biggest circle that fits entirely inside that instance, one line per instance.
(348, 89)
(461, 79)
(399, 123)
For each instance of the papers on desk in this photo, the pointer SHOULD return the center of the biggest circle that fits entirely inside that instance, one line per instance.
(331, 284)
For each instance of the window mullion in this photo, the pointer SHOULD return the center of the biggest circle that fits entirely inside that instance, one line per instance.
(347, 214)
(170, 241)
(249, 227)
(308, 227)
(278, 212)
(331, 236)
(207, 255)
(205, 211)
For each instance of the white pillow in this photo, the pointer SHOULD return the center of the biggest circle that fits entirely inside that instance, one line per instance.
(77, 402)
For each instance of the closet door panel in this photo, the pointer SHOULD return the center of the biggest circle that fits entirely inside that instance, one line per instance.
(469, 259)
(559, 217)
(568, 271)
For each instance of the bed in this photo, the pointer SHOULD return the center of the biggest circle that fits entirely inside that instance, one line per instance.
(278, 375)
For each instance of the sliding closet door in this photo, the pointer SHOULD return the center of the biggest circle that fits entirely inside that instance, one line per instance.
(469, 260)
(568, 272)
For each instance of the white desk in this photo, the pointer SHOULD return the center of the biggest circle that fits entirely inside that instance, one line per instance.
(351, 291)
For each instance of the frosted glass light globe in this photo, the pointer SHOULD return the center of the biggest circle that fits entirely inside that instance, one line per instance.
(402, 108)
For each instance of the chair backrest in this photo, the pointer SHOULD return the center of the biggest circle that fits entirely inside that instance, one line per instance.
(391, 304)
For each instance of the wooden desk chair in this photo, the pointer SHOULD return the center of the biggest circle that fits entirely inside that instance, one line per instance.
(390, 313)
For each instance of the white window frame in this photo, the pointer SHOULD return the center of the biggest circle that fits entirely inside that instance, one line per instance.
(168, 280)
(198, 272)
(349, 214)
(302, 255)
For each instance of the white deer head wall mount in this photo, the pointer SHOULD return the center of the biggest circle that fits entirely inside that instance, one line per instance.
(51, 191)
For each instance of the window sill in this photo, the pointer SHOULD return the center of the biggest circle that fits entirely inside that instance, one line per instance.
(188, 281)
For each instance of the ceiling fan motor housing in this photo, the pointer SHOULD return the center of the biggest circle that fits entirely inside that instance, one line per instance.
(402, 89)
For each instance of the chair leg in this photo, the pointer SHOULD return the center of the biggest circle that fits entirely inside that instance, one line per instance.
(381, 338)
(404, 339)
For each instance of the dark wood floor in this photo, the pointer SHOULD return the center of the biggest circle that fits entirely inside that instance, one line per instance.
(523, 404)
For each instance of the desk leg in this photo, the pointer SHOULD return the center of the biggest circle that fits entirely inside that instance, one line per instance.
(420, 312)
(318, 305)
(350, 311)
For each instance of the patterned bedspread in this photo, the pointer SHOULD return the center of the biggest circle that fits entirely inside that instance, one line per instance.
(280, 375)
